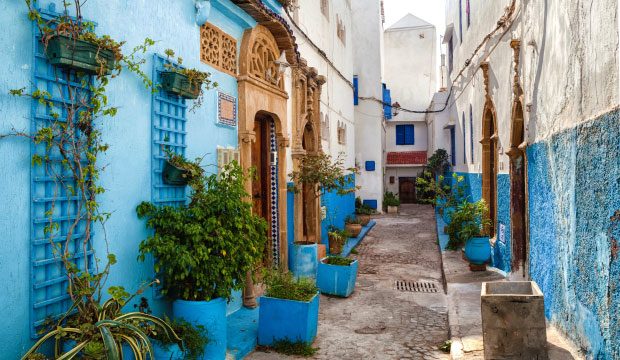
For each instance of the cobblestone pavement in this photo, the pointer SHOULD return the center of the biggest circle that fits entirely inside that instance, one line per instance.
(378, 321)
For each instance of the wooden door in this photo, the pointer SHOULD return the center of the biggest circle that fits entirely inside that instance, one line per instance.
(260, 162)
(406, 190)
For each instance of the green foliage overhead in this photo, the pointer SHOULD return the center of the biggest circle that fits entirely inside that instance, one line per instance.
(439, 162)
(467, 221)
(204, 250)
(283, 286)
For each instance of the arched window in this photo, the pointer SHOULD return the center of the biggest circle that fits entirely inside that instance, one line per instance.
(461, 21)
(471, 134)
(468, 12)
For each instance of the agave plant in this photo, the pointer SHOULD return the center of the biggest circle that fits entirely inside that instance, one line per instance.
(95, 331)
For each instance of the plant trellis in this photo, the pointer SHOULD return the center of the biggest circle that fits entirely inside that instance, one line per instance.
(51, 200)
(168, 130)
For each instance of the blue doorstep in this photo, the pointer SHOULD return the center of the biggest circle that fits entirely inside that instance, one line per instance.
(291, 320)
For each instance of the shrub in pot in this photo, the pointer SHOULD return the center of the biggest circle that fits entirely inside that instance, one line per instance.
(195, 338)
(353, 226)
(363, 214)
(390, 202)
(184, 82)
(289, 310)
(337, 239)
(178, 171)
(204, 250)
(469, 227)
(337, 276)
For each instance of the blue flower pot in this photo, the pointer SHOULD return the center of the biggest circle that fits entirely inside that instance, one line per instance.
(280, 319)
(478, 250)
(212, 316)
(170, 352)
(303, 260)
(336, 280)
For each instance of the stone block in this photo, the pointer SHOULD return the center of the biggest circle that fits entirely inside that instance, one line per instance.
(513, 320)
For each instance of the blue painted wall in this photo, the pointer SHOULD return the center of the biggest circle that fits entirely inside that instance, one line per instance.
(127, 174)
(502, 249)
(574, 190)
(338, 208)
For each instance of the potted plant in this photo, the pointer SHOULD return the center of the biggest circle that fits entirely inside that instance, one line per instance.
(337, 276)
(468, 227)
(337, 239)
(363, 214)
(204, 250)
(390, 202)
(353, 226)
(178, 171)
(184, 82)
(319, 173)
(289, 310)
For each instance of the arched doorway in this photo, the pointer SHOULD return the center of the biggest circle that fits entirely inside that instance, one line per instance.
(489, 165)
(518, 215)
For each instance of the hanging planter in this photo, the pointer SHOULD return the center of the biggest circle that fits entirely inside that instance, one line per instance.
(180, 85)
(80, 55)
(174, 175)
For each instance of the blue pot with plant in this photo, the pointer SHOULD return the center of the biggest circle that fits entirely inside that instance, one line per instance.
(337, 276)
(478, 249)
(289, 310)
(193, 248)
(469, 228)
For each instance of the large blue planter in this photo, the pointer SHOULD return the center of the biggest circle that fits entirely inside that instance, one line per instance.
(303, 260)
(171, 352)
(336, 280)
(211, 315)
(478, 250)
(280, 319)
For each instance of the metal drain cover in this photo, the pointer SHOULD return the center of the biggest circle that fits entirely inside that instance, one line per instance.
(416, 286)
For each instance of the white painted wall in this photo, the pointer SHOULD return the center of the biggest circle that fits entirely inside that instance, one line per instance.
(568, 69)
(369, 129)
(337, 94)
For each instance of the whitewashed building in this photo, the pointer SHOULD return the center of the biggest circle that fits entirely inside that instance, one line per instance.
(410, 64)
(533, 125)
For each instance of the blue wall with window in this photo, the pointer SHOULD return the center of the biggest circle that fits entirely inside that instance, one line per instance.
(405, 134)
(128, 162)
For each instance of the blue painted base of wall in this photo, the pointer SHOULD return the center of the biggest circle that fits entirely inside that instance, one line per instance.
(241, 332)
(443, 238)
(353, 242)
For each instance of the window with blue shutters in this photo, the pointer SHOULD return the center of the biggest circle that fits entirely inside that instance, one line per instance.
(464, 142)
(405, 135)
(387, 101)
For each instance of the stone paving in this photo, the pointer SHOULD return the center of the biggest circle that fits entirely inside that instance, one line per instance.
(378, 321)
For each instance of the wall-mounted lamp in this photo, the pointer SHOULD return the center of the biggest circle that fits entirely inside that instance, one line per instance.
(203, 10)
(282, 63)
(395, 107)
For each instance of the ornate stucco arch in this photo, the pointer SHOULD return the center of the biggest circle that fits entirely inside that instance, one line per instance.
(489, 143)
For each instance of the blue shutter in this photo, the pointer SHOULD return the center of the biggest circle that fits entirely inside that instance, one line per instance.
(370, 166)
(387, 101)
(400, 135)
(471, 133)
(452, 147)
(464, 143)
(355, 91)
(409, 135)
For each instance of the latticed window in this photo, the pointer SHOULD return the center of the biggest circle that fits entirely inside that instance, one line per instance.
(325, 8)
(225, 156)
(218, 49)
(341, 31)
(342, 133)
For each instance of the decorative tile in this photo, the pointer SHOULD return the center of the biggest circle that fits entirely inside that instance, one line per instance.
(226, 109)
(275, 226)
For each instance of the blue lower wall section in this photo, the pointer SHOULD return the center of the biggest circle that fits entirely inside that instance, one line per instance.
(574, 191)
(338, 208)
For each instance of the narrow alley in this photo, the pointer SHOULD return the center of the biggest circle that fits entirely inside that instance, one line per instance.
(380, 321)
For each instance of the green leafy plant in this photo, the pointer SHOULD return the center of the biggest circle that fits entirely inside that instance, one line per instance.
(197, 79)
(445, 346)
(468, 220)
(195, 338)
(338, 261)
(439, 162)
(390, 199)
(322, 171)
(283, 286)
(364, 210)
(298, 348)
(352, 220)
(204, 250)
